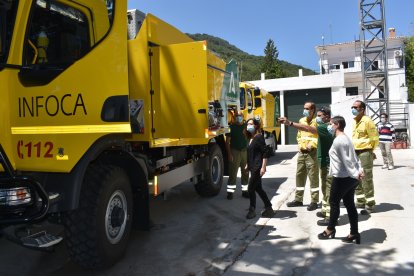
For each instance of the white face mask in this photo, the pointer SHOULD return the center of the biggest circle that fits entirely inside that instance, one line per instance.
(306, 113)
(319, 120)
(383, 120)
(251, 128)
(331, 130)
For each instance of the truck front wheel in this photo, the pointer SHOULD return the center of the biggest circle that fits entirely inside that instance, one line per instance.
(97, 232)
(213, 176)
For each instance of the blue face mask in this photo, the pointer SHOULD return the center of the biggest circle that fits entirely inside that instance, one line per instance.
(355, 111)
(239, 119)
(319, 120)
(251, 129)
(331, 130)
(306, 113)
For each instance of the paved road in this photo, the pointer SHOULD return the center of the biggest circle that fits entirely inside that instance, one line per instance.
(198, 236)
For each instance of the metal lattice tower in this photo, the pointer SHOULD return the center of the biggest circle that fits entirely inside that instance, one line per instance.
(374, 65)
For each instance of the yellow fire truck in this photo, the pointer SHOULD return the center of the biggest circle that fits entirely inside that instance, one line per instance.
(258, 103)
(102, 108)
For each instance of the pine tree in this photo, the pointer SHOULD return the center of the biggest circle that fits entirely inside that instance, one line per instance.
(271, 65)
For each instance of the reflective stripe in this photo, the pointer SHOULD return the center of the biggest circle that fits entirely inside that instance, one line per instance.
(324, 202)
(231, 187)
(370, 199)
(230, 190)
(110, 128)
(315, 190)
(360, 196)
(245, 188)
(300, 188)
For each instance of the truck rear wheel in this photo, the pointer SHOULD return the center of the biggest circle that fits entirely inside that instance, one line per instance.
(97, 232)
(213, 176)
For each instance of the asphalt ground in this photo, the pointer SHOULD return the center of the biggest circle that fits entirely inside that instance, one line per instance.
(211, 236)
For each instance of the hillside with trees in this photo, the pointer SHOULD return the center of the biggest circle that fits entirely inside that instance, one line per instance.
(251, 66)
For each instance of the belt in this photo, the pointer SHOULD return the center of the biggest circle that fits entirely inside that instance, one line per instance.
(362, 150)
(306, 150)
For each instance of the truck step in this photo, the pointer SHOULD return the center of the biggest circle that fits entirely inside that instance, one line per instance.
(41, 240)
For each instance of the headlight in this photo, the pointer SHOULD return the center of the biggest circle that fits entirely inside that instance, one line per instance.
(15, 196)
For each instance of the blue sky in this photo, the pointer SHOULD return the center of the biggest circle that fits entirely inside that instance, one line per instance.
(296, 27)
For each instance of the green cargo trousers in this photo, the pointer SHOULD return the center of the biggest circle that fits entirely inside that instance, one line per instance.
(307, 166)
(239, 161)
(365, 190)
(326, 182)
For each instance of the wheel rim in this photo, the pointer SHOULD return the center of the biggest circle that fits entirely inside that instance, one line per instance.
(116, 217)
(215, 170)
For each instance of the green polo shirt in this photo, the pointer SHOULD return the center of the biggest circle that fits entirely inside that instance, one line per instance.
(238, 139)
(325, 140)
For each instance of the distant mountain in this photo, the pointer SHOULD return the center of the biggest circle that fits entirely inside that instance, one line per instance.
(249, 64)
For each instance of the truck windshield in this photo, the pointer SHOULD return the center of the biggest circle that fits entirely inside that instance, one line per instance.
(8, 9)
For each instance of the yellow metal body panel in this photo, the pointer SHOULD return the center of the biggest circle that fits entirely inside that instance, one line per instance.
(180, 91)
(183, 76)
(52, 126)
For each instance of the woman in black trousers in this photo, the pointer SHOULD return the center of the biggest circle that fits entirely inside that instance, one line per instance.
(257, 154)
(346, 171)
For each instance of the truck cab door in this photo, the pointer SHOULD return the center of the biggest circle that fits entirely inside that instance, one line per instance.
(72, 88)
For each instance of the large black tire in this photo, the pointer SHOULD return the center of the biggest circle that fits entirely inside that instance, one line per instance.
(97, 232)
(213, 176)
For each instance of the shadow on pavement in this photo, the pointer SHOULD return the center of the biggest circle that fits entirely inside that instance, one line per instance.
(385, 207)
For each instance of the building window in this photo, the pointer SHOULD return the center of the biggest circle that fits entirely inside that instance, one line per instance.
(334, 67)
(352, 91)
(371, 66)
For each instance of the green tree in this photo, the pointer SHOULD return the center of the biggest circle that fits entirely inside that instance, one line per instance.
(409, 67)
(271, 65)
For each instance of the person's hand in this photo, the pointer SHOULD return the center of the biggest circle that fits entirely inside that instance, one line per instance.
(262, 171)
(284, 120)
(374, 156)
(361, 175)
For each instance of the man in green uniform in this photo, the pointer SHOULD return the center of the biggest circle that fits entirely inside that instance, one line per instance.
(307, 164)
(365, 139)
(325, 140)
(236, 145)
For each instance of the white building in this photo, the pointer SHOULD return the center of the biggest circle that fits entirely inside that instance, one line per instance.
(340, 83)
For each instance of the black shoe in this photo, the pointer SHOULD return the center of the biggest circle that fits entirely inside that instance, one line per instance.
(294, 204)
(245, 194)
(251, 214)
(229, 196)
(323, 222)
(350, 238)
(324, 235)
(366, 212)
(268, 212)
(320, 215)
(312, 206)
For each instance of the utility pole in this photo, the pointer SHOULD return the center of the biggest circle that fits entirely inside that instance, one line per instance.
(374, 65)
